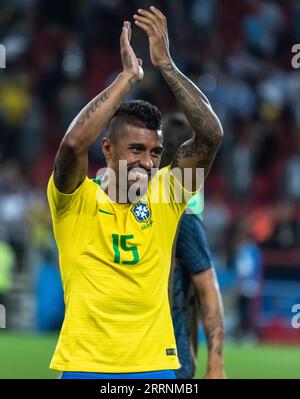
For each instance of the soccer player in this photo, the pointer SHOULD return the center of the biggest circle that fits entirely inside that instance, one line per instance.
(115, 257)
(195, 290)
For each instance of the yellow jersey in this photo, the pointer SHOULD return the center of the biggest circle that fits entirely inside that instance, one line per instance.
(115, 263)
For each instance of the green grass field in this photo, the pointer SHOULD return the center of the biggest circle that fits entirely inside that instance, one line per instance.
(28, 356)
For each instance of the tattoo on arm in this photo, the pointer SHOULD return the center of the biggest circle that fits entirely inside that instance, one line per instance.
(92, 108)
(71, 162)
(64, 178)
(213, 324)
(207, 128)
(102, 98)
(204, 153)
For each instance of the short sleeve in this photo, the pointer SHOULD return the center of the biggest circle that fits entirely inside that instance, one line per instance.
(192, 248)
(166, 188)
(61, 204)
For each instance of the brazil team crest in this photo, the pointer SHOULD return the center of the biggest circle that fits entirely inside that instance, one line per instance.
(141, 211)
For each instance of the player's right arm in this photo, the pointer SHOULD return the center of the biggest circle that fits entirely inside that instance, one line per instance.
(71, 162)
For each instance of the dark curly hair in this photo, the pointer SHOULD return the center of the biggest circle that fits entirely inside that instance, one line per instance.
(138, 112)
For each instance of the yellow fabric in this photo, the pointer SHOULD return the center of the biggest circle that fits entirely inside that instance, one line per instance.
(117, 316)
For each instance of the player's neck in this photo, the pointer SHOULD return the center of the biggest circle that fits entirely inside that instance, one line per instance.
(119, 195)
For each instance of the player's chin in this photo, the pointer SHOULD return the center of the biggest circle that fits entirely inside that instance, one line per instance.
(137, 187)
(141, 180)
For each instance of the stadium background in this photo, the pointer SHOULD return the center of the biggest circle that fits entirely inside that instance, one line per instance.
(59, 54)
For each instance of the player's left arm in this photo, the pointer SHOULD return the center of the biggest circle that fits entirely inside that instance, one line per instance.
(212, 317)
(199, 151)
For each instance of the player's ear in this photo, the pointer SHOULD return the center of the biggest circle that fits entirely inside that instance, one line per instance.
(107, 147)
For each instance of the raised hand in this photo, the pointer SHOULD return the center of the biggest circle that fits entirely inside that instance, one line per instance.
(154, 23)
(130, 61)
(200, 150)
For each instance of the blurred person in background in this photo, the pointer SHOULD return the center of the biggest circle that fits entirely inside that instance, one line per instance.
(291, 176)
(285, 232)
(14, 203)
(248, 267)
(194, 290)
(49, 293)
(217, 217)
(263, 23)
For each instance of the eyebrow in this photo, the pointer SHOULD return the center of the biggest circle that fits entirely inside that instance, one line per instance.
(137, 145)
(142, 147)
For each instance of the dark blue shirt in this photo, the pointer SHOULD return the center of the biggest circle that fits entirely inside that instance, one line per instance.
(192, 256)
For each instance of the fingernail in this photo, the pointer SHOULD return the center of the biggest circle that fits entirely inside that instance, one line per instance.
(152, 8)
